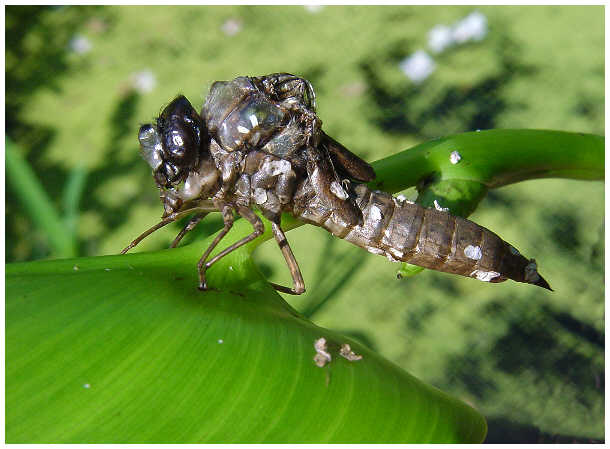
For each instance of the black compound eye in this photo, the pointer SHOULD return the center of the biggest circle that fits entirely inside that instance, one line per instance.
(179, 130)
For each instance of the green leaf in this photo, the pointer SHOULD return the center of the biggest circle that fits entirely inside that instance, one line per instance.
(126, 349)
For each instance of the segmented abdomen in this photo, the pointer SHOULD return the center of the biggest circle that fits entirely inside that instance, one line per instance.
(431, 238)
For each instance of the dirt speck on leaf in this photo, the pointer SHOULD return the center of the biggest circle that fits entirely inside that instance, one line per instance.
(322, 356)
(346, 352)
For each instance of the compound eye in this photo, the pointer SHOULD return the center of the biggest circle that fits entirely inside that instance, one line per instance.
(150, 146)
(180, 128)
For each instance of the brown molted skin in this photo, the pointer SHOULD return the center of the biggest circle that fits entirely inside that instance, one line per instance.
(408, 232)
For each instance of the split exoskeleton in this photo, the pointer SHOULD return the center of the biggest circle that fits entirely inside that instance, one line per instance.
(259, 143)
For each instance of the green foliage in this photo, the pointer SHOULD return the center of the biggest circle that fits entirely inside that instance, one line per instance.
(39, 206)
(125, 349)
(539, 67)
(160, 353)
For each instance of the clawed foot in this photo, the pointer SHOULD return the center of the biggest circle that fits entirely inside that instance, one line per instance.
(204, 287)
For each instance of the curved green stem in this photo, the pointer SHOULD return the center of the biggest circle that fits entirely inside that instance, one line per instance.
(495, 158)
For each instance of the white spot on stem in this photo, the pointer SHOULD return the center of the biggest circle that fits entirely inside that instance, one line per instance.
(455, 157)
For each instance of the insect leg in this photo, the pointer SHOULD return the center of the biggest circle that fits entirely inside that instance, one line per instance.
(258, 226)
(258, 230)
(189, 227)
(293, 266)
(167, 220)
(227, 216)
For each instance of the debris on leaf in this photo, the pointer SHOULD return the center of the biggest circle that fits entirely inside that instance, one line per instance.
(322, 356)
(346, 352)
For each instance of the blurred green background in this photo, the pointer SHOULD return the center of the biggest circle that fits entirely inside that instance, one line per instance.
(80, 81)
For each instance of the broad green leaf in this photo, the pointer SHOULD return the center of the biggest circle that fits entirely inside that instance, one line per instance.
(125, 349)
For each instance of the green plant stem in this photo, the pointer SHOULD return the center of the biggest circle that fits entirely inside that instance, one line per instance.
(73, 191)
(495, 158)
